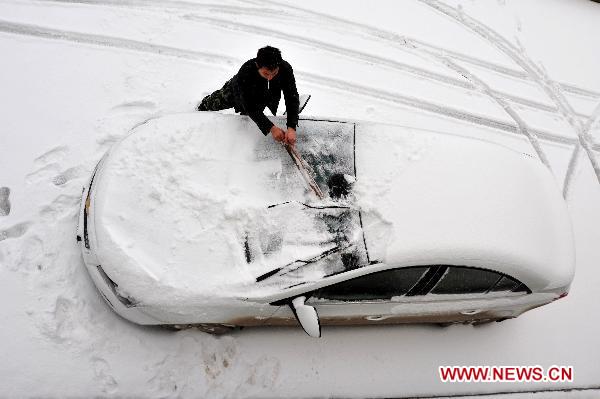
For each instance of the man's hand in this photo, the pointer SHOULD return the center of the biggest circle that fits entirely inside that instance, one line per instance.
(290, 136)
(277, 133)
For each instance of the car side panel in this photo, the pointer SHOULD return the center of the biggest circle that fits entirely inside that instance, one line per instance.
(427, 309)
(234, 312)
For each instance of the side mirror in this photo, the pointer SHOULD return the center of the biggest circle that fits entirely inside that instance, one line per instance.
(307, 316)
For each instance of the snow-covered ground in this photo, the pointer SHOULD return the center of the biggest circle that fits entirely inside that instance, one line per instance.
(76, 76)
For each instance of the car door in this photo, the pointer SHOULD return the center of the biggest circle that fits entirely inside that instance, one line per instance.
(469, 293)
(437, 293)
(366, 299)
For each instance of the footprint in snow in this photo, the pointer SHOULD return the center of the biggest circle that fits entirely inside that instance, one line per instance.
(42, 174)
(101, 371)
(14, 231)
(218, 359)
(54, 155)
(61, 208)
(48, 164)
(134, 106)
(68, 175)
(4, 201)
(264, 373)
(26, 255)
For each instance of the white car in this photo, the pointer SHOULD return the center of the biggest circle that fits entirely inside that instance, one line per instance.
(199, 220)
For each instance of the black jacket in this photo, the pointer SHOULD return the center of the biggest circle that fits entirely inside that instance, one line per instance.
(252, 93)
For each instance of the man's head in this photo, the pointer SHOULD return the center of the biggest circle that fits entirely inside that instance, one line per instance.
(267, 60)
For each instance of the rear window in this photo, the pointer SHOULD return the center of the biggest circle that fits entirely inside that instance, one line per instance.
(462, 280)
(506, 283)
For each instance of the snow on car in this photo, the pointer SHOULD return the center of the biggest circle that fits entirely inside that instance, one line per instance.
(197, 219)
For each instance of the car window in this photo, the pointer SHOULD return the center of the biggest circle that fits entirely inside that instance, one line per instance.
(467, 280)
(416, 281)
(463, 280)
(428, 281)
(376, 286)
(506, 283)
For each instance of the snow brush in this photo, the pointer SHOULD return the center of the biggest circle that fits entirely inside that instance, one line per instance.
(303, 167)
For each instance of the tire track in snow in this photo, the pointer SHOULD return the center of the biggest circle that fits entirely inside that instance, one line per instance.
(370, 58)
(473, 83)
(369, 30)
(521, 125)
(562, 104)
(550, 88)
(178, 5)
(212, 59)
(574, 160)
(500, 69)
(531, 71)
(401, 41)
(352, 54)
(495, 95)
(432, 107)
(111, 41)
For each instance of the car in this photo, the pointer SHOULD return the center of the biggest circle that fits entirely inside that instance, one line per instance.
(199, 220)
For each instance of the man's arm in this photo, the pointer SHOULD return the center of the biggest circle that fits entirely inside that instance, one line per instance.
(259, 117)
(292, 100)
(240, 88)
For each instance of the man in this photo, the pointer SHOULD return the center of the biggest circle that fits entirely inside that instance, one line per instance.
(257, 85)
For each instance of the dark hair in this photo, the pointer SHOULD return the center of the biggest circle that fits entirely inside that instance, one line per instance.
(269, 57)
